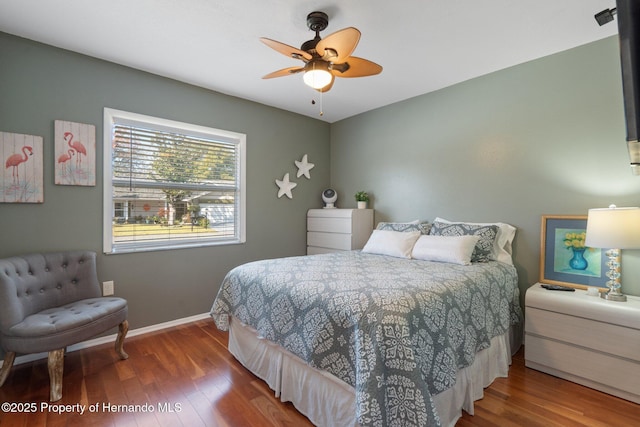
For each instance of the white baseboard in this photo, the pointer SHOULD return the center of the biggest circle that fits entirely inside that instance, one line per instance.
(112, 338)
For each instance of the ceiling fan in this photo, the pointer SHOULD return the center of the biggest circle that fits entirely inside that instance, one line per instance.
(324, 59)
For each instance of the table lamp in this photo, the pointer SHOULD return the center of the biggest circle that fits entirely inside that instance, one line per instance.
(614, 228)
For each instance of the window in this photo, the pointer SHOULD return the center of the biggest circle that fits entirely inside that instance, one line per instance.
(170, 185)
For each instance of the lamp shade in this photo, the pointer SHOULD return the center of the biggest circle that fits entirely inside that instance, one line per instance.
(317, 79)
(317, 74)
(613, 227)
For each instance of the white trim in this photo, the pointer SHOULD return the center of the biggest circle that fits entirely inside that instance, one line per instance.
(107, 186)
(111, 338)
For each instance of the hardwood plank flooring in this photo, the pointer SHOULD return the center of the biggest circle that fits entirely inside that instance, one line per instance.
(184, 376)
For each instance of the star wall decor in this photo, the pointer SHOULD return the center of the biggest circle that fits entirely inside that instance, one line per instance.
(304, 167)
(285, 186)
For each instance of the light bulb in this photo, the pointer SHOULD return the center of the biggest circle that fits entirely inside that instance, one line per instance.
(317, 75)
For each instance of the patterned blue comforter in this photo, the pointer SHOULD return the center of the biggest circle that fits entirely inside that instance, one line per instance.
(397, 330)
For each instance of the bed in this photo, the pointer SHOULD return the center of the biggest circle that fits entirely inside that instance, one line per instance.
(375, 337)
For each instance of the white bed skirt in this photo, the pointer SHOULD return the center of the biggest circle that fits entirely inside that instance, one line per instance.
(329, 401)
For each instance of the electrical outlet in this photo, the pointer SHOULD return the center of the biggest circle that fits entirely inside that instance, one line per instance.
(107, 288)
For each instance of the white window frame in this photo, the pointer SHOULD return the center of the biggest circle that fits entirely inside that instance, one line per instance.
(112, 117)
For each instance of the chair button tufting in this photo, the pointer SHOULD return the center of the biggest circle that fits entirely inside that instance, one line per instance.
(59, 286)
(42, 290)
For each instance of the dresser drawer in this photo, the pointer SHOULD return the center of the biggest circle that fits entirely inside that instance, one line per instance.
(596, 335)
(315, 250)
(329, 240)
(333, 225)
(594, 369)
(579, 304)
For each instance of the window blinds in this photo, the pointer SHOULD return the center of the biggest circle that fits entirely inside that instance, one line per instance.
(171, 188)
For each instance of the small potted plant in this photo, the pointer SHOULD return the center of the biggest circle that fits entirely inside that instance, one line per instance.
(362, 197)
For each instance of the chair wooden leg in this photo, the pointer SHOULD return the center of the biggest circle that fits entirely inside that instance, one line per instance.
(56, 367)
(123, 328)
(9, 357)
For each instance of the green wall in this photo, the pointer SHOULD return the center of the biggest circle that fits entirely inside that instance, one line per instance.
(39, 84)
(545, 137)
(542, 138)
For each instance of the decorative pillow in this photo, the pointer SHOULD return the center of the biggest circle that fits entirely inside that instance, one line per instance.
(453, 249)
(422, 226)
(502, 247)
(483, 250)
(392, 243)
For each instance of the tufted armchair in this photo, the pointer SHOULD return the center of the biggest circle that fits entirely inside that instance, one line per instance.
(50, 301)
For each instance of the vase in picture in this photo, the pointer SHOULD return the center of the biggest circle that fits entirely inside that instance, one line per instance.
(362, 205)
(578, 261)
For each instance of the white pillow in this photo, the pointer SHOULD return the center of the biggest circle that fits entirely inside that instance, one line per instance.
(502, 249)
(453, 249)
(392, 243)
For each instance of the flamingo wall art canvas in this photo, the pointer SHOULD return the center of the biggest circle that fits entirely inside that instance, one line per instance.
(75, 153)
(21, 180)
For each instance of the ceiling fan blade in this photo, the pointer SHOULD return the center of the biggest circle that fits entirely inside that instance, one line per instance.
(287, 50)
(283, 72)
(337, 47)
(356, 67)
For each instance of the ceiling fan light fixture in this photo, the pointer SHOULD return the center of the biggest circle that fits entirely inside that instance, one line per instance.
(317, 74)
(324, 58)
(317, 79)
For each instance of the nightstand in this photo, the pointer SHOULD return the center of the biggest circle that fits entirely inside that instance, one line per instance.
(584, 339)
(331, 230)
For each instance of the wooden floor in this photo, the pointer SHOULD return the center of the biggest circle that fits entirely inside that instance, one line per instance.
(184, 376)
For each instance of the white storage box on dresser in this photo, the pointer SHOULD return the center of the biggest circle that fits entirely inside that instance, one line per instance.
(584, 339)
(330, 230)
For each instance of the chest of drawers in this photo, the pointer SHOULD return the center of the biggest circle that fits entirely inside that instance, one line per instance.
(330, 230)
(584, 339)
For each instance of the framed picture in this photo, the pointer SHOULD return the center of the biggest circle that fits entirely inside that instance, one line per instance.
(21, 179)
(564, 259)
(75, 153)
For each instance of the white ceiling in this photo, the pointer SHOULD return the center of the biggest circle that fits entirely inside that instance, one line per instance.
(423, 45)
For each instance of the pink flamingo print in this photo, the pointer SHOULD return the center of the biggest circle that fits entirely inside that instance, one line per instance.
(14, 161)
(65, 157)
(76, 145)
